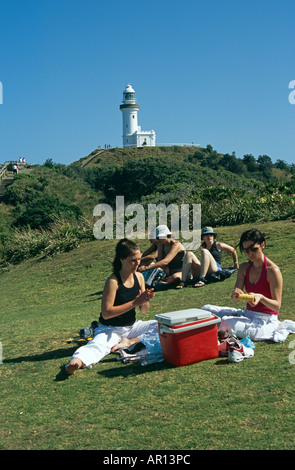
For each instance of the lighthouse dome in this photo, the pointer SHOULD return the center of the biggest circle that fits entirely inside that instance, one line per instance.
(129, 89)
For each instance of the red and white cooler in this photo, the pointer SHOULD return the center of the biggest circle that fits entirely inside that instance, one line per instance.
(188, 336)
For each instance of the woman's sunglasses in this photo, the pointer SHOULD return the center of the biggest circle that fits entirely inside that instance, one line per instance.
(251, 249)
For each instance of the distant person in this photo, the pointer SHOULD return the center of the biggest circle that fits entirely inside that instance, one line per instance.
(170, 255)
(211, 258)
(15, 168)
(124, 291)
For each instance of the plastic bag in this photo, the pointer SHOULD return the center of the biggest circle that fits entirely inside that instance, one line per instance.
(247, 342)
(153, 349)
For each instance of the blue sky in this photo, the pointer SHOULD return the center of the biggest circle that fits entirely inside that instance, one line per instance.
(210, 72)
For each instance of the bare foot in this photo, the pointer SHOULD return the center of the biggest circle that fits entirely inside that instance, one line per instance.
(124, 344)
(73, 366)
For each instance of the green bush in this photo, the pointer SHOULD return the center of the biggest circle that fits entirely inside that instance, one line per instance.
(40, 212)
(33, 206)
(61, 236)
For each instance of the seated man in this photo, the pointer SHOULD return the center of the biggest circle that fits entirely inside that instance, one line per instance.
(170, 255)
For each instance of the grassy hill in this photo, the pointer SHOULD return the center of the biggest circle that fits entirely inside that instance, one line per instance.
(71, 190)
(41, 204)
(120, 156)
(59, 199)
(168, 159)
(208, 405)
(202, 157)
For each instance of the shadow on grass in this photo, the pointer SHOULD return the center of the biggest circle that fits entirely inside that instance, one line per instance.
(46, 356)
(122, 370)
(97, 295)
(137, 369)
(133, 369)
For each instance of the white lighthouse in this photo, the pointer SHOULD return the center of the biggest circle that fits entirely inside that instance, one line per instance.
(133, 136)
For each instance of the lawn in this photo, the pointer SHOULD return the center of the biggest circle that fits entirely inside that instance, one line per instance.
(208, 405)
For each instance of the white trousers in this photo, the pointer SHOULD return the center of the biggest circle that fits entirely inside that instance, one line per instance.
(105, 337)
(257, 325)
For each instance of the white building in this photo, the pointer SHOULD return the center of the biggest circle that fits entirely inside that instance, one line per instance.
(133, 136)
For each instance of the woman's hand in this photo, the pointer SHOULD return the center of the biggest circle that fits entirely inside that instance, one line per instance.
(140, 269)
(257, 299)
(235, 294)
(143, 297)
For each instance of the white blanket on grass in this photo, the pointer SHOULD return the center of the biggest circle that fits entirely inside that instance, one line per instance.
(258, 326)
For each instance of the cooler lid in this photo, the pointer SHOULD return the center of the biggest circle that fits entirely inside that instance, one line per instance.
(183, 316)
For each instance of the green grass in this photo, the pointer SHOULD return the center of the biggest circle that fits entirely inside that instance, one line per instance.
(207, 405)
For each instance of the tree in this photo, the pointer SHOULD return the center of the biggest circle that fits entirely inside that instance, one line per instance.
(281, 165)
(33, 206)
(265, 165)
(233, 164)
(40, 212)
(49, 163)
(250, 162)
(209, 149)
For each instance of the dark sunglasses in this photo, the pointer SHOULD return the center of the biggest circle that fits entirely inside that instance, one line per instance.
(251, 249)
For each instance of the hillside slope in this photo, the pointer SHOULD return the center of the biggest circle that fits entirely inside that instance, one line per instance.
(229, 193)
(42, 409)
(195, 159)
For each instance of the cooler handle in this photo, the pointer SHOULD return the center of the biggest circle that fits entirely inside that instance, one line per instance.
(166, 329)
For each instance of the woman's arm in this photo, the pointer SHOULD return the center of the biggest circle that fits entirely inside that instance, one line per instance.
(163, 263)
(148, 257)
(109, 310)
(275, 280)
(229, 249)
(240, 282)
(152, 251)
(144, 307)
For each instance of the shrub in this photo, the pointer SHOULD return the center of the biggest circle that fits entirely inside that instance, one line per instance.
(62, 235)
(41, 212)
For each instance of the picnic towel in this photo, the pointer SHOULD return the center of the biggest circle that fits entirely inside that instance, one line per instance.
(259, 327)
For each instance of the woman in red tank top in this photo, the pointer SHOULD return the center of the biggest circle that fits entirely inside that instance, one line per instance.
(259, 276)
(262, 278)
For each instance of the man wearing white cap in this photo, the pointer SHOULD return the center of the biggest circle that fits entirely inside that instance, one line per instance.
(170, 254)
